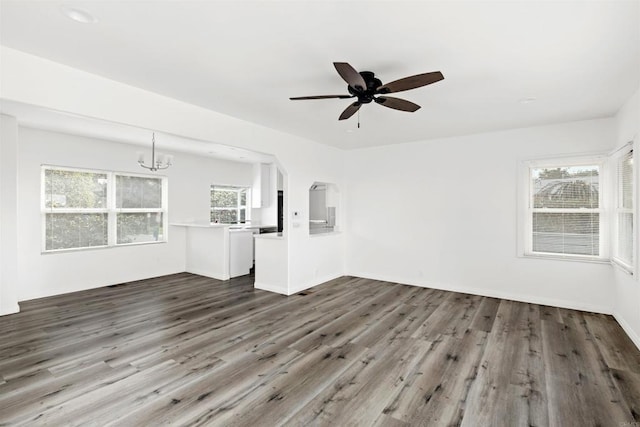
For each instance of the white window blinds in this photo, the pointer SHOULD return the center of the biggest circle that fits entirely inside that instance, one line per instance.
(623, 246)
(565, 210)
(79, 209)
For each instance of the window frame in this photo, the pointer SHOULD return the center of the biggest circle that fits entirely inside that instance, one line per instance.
(618, 157)
(110, 209)
(526, 211)
(239, 207)
(162, 209)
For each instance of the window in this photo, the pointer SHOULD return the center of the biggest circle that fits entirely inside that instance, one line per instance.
(565, 215)
(229, 205)
(76, 212)
(88, 209)
(623, 250)
(139, 212)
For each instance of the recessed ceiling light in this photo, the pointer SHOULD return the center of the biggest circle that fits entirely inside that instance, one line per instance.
(79, 15)
(527, 100)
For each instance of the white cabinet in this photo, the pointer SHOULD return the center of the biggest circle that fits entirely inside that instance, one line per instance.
(260, 191)
(240, 252)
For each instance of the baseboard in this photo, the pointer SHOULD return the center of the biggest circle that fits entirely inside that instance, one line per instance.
(12, 309)
(493, 294)
(315, 282)
(269, 288)
(206, 273)
(628, 329)
(278, 290)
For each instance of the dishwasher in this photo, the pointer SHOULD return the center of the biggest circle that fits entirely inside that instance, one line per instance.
(240, 252)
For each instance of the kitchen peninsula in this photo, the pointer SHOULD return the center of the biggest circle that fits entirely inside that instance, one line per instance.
(220, 251)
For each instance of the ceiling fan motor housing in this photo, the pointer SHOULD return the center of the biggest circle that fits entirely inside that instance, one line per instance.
(366, 96)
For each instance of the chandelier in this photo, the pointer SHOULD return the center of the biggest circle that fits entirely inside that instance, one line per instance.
(158, 162)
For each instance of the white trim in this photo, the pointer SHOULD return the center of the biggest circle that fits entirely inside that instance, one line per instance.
(566, 257)
(12, 309)
(616, 159)
(329, 233)
(628, 145)
(292, 291)
(622, 266)
(553, 302)
(635, 338)
(636, 198)
(270, 288)
(208, 273)
(315, 282)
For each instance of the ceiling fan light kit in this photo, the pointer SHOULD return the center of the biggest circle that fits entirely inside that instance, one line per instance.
(365, 86)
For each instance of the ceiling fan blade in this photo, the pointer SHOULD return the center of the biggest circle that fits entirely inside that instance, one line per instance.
(397, 103)
(350, 111)
(350, 75)
(322, 97)
(411, 82)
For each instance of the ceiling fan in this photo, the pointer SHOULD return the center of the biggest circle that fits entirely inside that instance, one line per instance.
(365, 86)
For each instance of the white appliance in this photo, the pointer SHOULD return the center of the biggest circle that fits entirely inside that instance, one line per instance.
(240, 252)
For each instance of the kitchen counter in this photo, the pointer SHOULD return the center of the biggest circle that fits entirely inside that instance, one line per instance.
(222, 251)
(268, 236)
(250, 226)
(207, 249)
(247, 226)
(199, 225)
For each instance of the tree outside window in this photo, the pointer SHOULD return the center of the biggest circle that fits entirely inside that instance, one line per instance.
(229, 205)
(87, 209)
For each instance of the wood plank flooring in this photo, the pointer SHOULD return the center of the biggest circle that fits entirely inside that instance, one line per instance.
(188, 350)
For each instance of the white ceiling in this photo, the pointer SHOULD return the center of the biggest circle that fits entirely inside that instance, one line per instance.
(579, 60)
(57, 121)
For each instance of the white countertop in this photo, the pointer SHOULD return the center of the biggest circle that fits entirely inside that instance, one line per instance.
(231, 226)
(241, 230)
(268, 236)
(251, 225)
(199, 224)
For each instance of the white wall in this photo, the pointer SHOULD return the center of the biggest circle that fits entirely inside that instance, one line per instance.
(189, 181)
(443, 214)
(627, 296)
(8, 214)
(32, 80)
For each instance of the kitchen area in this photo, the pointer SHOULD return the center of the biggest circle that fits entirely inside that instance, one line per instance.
(224, 247)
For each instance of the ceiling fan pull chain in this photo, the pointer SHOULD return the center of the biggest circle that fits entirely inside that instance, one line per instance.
(358, 119)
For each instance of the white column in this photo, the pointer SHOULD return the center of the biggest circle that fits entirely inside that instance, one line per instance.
(8, 215)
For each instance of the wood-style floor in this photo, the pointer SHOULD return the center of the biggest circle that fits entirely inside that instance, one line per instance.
(187, 350)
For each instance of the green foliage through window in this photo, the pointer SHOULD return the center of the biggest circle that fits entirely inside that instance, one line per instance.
(78, 207)
(229, 204)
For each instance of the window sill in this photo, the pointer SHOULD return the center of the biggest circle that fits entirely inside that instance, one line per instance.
(622, 267)
(97, 248)
(566, 258)
(328, 233)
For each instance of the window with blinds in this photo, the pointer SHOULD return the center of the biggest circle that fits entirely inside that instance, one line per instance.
(84, 209)
(565, 211)
(623, 250)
